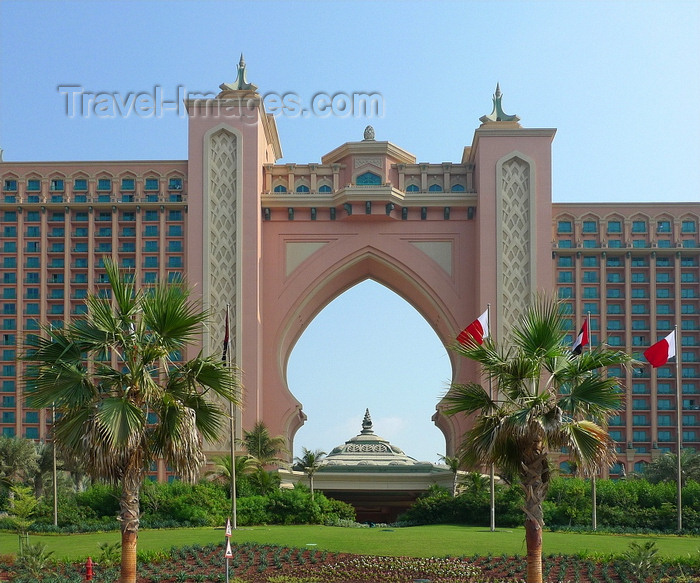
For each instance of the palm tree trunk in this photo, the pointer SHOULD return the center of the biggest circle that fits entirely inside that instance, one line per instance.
(129, 516)
(533, 542)
(534, 474)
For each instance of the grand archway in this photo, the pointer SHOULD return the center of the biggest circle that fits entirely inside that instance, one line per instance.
(281, 241)
(369, 348)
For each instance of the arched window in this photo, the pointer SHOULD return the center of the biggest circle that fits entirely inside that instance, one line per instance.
(302, 188)
(435, 188)
(458, 188)
(280, 188)
(412, 188)
(324, 188)
(368, 178)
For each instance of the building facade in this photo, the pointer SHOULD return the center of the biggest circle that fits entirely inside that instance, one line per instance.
(277, 242)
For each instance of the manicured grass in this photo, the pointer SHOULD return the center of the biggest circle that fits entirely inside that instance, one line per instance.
(419, 541)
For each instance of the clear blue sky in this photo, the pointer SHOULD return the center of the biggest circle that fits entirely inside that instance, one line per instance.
(620, 80)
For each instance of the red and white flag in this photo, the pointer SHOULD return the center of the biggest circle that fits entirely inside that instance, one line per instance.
(659, 354)
(581, 339)
(477, 331)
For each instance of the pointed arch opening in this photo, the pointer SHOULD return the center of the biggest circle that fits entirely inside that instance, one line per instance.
(373, 350)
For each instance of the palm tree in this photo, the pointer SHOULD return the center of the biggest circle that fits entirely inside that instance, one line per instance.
(262, 446)
(122, 398)
(546, 399)
(453, 464)
(264, 482)
(665, 468)
(221, 472)
(309, 463)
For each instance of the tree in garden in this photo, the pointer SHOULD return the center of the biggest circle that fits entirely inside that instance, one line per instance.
(262, 446)
(23, 504)
(221, 472)
(264, 482)
(665, 468)
(545, 398)
(18, 460)
(122, 398)
(453, 463)
(309, 463)
(44, 460)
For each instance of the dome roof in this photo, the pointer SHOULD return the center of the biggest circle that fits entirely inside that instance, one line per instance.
(369, 452)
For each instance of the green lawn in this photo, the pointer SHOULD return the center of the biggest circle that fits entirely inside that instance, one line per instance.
(418, 541)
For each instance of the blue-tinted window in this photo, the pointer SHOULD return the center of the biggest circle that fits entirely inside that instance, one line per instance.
(175, 184)
(324, 189)
(458, 188)
(104, 184)
(435, 188)
(280, 188)
(368, 179)
(302, 188)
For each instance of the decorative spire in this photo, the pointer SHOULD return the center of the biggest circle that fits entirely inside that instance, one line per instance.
(369, 134)
(367, 424)
(498, 114)
(241, 82)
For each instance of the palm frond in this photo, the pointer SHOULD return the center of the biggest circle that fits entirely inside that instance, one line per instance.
(468, 398)
(590, 445)
(592, 396)
(120, 419)
(171, 316)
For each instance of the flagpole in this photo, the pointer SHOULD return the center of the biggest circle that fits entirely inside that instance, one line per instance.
(594, 493)
(492, 476)
(679, 429)
(232, 413)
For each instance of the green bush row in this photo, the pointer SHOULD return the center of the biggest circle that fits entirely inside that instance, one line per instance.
(626, 505)
(178, 504)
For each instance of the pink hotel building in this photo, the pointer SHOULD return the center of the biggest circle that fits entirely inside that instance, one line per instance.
(278, 242)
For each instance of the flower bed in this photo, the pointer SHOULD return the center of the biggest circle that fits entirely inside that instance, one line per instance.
(254, 563)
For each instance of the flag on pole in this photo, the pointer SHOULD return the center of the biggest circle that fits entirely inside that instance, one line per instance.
(659, 354)
(581, 339)
(477, 331)
(226, 338)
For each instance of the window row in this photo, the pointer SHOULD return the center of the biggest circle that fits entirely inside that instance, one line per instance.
(636, 226)
(103, 184)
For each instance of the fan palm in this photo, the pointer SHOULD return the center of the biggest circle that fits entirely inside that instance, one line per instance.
(547, 399)
(222, 470)
(310, 462)
(453, 463)
(262, 446)
(122, 399)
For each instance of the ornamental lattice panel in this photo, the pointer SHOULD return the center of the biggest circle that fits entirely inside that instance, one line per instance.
(515, 251)
(222, 183)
